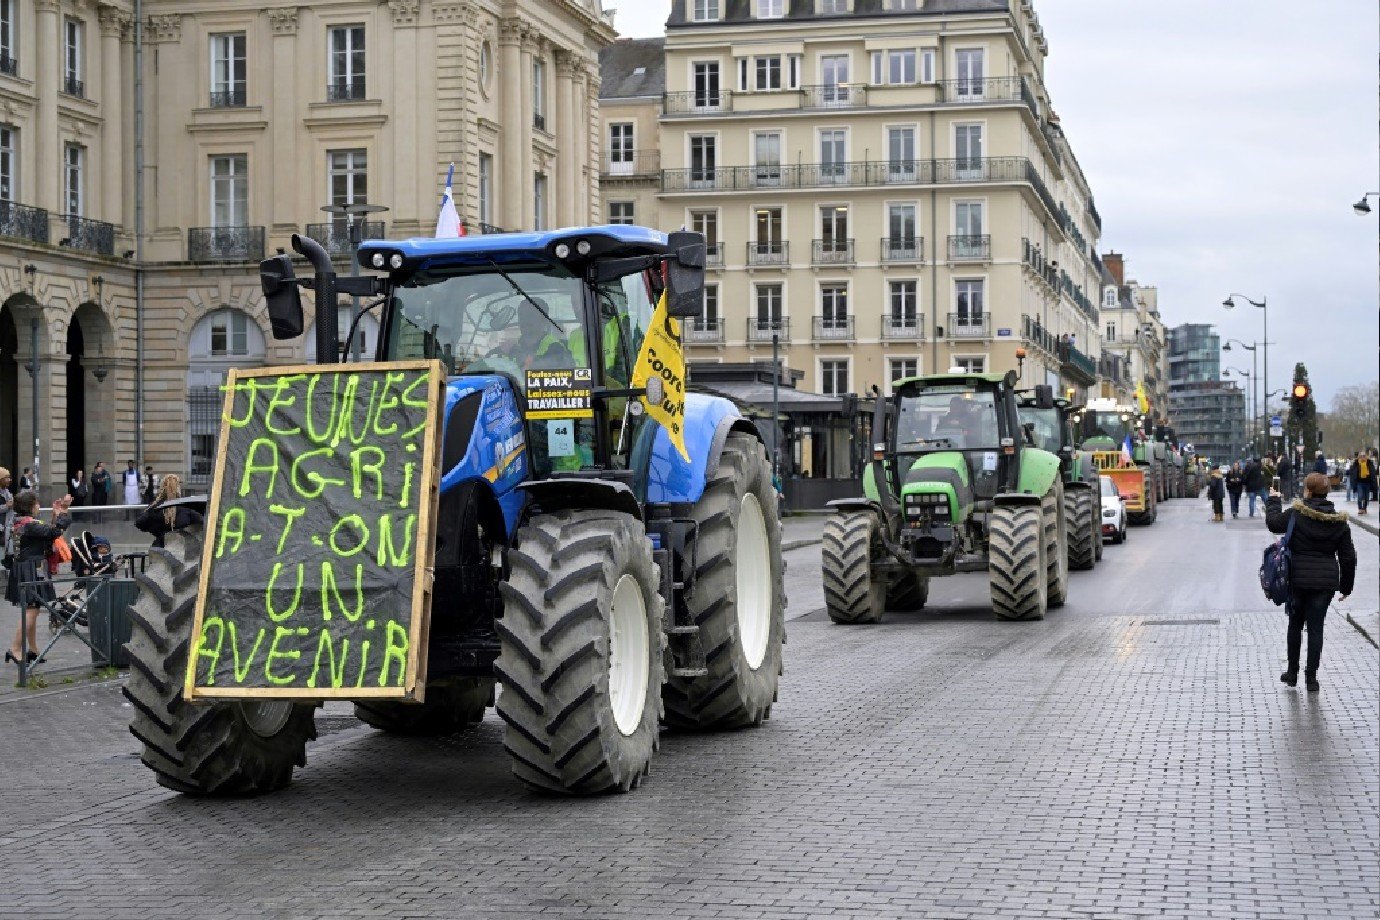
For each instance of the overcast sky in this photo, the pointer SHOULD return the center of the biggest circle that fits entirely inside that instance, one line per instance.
(1225, 142)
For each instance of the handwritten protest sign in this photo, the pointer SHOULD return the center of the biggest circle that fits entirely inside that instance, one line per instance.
(315, 575)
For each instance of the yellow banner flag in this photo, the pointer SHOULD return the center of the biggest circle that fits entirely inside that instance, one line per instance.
(1141, 399)
(660, 369)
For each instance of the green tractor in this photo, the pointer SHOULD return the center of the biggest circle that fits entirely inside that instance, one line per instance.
(954, 486)
(1051, 421)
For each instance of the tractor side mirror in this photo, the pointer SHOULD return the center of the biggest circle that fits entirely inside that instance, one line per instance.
(685, 273)
(1044, 396)
(279, 284)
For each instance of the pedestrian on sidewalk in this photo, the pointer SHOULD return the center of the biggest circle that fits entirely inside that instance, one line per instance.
(33, 542)
(80, 491)
(100, 487)
(1320, 463)
(1285, 471)
(161, 519)
(1216, 491)
(1236, 481)
(1349, 475)
(1365, 481)
(148, 485)
(6, 514)
(1253, 478)
(130, 480)
(1323, 561)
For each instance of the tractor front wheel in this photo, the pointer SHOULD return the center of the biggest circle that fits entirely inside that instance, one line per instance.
(1016, 565)
(1056, 545)
(1082, 528)
(852, 591)
(909, 592)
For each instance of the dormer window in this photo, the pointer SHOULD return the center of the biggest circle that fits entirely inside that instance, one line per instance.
(771, 9)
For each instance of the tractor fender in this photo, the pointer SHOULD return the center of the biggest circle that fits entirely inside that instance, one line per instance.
(577, 492)
(1076, 485)
(1039, 469)
(1017, 498)
(707, 424)
(450, 515)
(854, 504)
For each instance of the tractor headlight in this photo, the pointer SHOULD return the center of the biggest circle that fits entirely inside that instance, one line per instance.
(562, 251)
(395, 261)
(582, 247)
(377, 260)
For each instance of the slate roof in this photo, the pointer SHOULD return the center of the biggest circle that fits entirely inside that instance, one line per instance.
(741, 10)
(620, 63)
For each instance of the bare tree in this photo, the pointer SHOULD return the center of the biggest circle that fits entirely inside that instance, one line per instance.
(1354, 421)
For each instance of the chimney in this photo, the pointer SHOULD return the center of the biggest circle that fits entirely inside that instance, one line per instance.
(1116, 266)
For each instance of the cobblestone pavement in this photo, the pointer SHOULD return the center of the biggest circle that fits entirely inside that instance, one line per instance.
(1133, 755)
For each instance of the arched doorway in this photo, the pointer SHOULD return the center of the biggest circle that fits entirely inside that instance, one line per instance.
(89, 426)
(76, 401)
(220, 340)
(9, 390)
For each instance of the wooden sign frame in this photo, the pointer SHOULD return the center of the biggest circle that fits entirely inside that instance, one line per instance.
(414, 680)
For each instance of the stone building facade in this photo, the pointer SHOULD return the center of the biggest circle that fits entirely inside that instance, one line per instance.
(256, 115)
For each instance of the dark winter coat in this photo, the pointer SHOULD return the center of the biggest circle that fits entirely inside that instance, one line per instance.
(1215, 489)
(1320, 465)
(1324, 557)
(1284, 468)
(34, 540)
(1235, 482)
(1254, 478)
(152, 521)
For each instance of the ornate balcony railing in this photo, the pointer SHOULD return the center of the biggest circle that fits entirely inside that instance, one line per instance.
(1076, 362)
(704, 330)
(1097, 221)
(852, 174)
(761, 330)
(777, 253)
(639, 163)
(697, 102)
(714, 255)
(833, 329)
(903, 249)
(970, 248)
(832, 252)
(225, 244)
(968, 326)
(228, 99)
(1036, 334)
(335, 235)
(833, 96)
(903, 326)
(987, 89)
(74, 87)
(344, 90)
(89, 235)
(22, 222)
(9, 64)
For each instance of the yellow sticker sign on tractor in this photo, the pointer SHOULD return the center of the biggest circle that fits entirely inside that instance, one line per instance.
(660, 369)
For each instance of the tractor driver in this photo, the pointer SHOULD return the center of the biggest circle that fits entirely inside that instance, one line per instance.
(968, 424)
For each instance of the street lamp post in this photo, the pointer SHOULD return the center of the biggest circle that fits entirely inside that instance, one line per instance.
(1249, 388)
(350, 212)
(1254, 384)
(1265, 337)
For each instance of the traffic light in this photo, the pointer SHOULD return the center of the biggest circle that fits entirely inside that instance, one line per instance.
(1299, 394)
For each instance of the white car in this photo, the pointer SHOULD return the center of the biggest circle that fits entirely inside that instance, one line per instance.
(1113, 512)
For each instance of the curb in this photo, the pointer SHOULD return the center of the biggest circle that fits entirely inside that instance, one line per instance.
(1364, 525)
(1362, 630)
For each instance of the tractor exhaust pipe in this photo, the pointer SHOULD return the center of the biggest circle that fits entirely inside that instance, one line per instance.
(327, 313)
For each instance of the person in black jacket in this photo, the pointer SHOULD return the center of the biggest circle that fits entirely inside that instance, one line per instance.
(1324, 562)
(33, 541)
(1254, 479)
(1236, 481)
(1216, 492)
(159, 520)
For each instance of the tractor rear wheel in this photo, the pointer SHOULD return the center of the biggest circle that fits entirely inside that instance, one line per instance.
(580, 661)
(909, 592)
(1056, 545)
(1082, 529)
(737, 598)
(235, 748)
(852, 592)
(450, 707)
(1016, 566)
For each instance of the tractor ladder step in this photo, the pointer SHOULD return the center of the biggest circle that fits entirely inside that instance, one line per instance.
(689, 672)
(691, 630)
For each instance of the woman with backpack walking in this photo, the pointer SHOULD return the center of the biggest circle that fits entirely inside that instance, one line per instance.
(33, 541)
(1323, 562)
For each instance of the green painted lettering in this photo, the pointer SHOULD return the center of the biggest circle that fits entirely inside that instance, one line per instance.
(361, 530)
(410, 399)
(251, 466)
(291, 514)
(342, 419)
(269, 608)
(204, 649)
(335, 671)
(394, 650)
(231, 528)
(323, 435)
(363, 662)
(359, 465)
(282, 398)
(274, 654)
(243, 672)
(330, 586)
(408, 467)
(389, 554)
(387, 403)
(359, 436)
(310, 484)
(250, 387)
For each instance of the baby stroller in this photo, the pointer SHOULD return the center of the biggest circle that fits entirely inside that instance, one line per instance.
(91, 558)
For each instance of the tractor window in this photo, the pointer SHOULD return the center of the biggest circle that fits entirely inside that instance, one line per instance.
(625, 311)
(947, 418)
(476, 323)
(1108, 425)
(1046, 424)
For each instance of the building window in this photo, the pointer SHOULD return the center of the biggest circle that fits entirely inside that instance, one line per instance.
(970, 73)
(706, 84)
(769, 223)
(969, 302)
(621, 149)
(900, 154)
(486, 190)
(768, 72)
(539, 202)
(621, 212)
(901, 228)
(709, 316)
(898, 6)
(927, 66)
(834, 70)
(706, 223)
(834, 6)
(8, 64)
(1109, 297)
(905, 306)
(486, 67)
(771, 9)
(72, 63)
(968, 151)
(229, 334)
(833, 307)
(704, 150)
(227, 70)
(73, 184)
(833, 376)
(230, 191)
(766, 157)
(768, 302)
(7, 162)
(349, 183)
(346, 45)
(833, 155)
(901, 369)
(705, 10)
(539, 94)
(971, 364)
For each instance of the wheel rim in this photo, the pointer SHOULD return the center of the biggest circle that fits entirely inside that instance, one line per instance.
(628, 661)
(753, 574)
(266, 719)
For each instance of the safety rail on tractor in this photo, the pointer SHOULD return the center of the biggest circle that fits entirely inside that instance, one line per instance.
(599, 553)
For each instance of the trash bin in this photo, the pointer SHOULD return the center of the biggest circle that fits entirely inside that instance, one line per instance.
(108, 614)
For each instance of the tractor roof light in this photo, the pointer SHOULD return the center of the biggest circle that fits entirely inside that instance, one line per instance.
(562, 251)
(378, 260)
(582, 247)
(395, 261)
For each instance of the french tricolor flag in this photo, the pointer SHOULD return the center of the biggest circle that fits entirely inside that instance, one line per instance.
(448, 225)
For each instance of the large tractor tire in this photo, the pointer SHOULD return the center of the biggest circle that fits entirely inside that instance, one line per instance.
(449, 708)
(737, 598)
(233, 748)
(1016, 567)
(909, 592)
(580, 666)
(1056, 545)
(1083, 529)
(853, 593)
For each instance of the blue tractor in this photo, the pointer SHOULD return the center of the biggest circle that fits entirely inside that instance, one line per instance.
(590, 582)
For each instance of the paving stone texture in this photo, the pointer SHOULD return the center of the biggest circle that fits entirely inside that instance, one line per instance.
(1133, 755)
